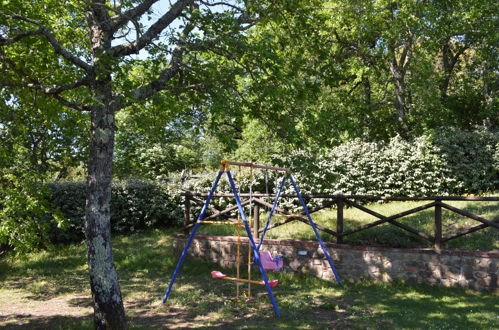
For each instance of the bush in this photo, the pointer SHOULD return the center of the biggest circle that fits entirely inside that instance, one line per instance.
(135, 205)
(442, 163)
(450, 162)
(24, 211)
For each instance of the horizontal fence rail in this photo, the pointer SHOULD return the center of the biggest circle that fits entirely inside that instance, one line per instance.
(340, 201)
(366, 197)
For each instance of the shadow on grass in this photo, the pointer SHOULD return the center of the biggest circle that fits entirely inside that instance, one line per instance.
(313, 303)
(81, 302)
(45, 322)
(422, 307)
(146, 262)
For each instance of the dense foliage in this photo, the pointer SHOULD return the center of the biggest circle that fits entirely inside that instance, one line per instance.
(34, 150)
(449, 162)
(442, 163)
(135, 205)
(23, 211)
(338, 70)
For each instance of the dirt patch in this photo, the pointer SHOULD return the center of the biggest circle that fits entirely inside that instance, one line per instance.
(17, 309)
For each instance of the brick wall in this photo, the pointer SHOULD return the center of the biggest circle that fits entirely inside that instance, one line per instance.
(456, 268)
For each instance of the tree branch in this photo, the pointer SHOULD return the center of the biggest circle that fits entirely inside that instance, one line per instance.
(49, 91)
(84, 81)
(221, 3)
(99, 9)
(72, 105)
(166, 75)
(52, 40)
(131, 14)
(459, 52)
(404, 60)
(19, 36)
(152, 33)
(355, 87)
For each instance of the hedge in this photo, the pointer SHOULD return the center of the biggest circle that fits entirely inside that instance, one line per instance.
(135, 205)
(450, 162)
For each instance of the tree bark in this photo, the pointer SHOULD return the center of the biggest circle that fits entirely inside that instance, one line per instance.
(398, 79)
(109, 312)
(449, 61)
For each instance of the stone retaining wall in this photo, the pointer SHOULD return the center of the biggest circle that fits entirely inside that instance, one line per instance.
(452, 268)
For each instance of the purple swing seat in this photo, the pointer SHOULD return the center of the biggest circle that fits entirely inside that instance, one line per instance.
(270, 263)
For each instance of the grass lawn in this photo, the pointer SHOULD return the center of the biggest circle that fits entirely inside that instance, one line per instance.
(388, 235)
(49, 290)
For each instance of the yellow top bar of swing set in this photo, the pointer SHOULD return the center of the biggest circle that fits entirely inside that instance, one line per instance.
(225, 166)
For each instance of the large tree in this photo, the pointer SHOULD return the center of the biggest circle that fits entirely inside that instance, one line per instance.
(82, 53)
(376, 68)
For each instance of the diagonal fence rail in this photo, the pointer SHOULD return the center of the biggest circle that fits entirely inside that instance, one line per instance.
(340, 201)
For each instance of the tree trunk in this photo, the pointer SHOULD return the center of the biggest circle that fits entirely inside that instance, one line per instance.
(449, 61)
(109, 312)
(444, 83)
(398, 79)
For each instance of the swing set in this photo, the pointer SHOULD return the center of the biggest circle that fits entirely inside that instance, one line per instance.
(263, 259)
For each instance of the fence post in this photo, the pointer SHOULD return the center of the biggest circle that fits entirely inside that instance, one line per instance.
(339, 219)
(438, 225)
(256, 221)
(187, 211)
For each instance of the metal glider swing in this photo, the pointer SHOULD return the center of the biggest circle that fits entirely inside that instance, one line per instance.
(256, 255)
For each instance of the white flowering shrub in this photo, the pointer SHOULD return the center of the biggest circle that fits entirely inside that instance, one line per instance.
(448, 162)
(443, 163)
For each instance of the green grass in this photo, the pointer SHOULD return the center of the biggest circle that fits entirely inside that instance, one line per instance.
(388, 235)
(146, 261)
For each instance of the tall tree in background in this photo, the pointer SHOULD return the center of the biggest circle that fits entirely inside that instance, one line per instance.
(81, 53)
(378, 68)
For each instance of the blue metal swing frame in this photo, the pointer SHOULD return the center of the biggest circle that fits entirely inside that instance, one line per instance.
(248, 231)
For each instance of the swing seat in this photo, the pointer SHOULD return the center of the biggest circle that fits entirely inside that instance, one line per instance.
(270, 263)
(272, 283)
(219, 275)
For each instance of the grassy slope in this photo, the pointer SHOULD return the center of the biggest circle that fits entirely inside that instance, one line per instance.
(146, 262)
(388, 235)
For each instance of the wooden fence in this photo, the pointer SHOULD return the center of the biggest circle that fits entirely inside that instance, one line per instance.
(341, 201)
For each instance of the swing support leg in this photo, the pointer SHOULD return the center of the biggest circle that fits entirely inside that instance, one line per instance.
(315, 230)
(253, 246)
(276, 199)
(191, 237)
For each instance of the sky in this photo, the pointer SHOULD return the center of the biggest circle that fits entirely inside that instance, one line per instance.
(158, 10)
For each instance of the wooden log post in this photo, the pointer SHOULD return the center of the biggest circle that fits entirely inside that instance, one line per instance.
(339, 219)
(438, 225)
(256, 221)
(187, 212)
